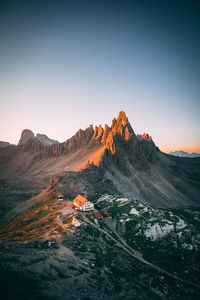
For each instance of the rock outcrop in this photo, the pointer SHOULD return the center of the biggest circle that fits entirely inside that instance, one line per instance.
(121, 127)
(26, 135)
(145, 136)
(45, 140)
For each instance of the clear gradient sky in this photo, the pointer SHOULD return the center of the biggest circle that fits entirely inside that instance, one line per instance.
(65, 65)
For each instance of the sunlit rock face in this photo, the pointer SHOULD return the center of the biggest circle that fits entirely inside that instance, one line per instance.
(110, 144)
(108, 138)
(122, 127)
(120, 130)
(86, 147)
(105, 134)
(90, 146)
(124, 148)
(145, 136)
(26, 135)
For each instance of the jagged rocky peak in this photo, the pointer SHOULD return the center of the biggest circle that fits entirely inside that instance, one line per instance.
(26, 135)
(45, 140)
(95, 133)
(98, 132)
(91, 127)
(145, 136)
(106, 131)
(85, 134)
(122, 127)
(122, 118)
(80, 139)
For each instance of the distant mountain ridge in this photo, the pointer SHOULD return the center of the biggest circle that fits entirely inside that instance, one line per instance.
(27, 134)
(182, 153)
(114, 158)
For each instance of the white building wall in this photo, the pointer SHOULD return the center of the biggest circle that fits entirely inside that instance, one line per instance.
(87, 206)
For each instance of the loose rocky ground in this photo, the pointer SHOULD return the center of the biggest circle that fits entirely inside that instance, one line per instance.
(96, 260)
(48, 221)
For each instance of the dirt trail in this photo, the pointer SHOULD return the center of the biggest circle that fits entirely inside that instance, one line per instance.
(138, 255)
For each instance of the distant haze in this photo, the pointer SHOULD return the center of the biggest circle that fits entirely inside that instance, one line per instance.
(66, 66)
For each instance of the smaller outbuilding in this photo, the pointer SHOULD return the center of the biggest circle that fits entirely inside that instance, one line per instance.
(75, 222)
(106, 214)
(98, 215)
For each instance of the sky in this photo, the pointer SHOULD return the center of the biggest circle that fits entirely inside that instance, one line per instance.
(67, 64)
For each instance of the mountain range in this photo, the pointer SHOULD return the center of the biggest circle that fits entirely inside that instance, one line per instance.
(96, 161)
(182, 153)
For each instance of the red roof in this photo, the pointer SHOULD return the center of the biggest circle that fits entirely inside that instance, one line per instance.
(79, 200)
(98, 215)
(106, 214)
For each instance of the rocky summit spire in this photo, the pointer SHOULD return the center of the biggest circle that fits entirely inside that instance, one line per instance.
(122, 127)
(122, 118)
(146, 137)
(105, 134)
(25, 136)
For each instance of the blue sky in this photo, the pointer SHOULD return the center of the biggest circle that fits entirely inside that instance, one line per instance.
(67, 65)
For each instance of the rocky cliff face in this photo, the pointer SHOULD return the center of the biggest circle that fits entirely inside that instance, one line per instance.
(28, 135)
(121, 127)
(45, 140)
(122, 146)
(111, 139)
(25, 136)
